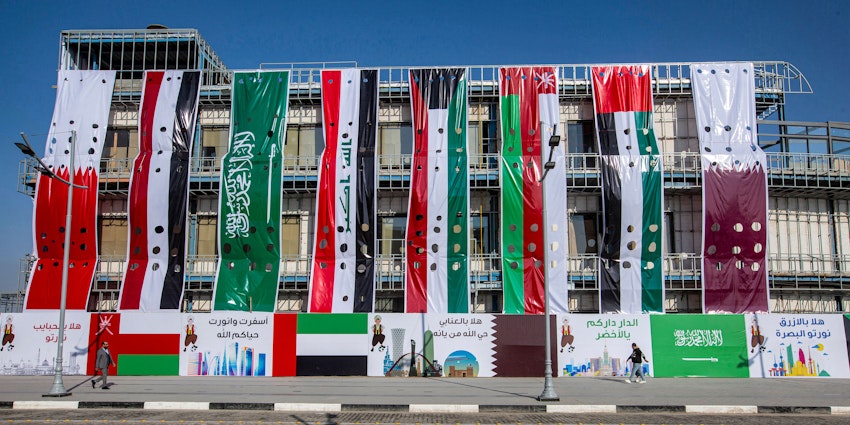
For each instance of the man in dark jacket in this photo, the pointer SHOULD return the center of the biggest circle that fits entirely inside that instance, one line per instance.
(637, 359)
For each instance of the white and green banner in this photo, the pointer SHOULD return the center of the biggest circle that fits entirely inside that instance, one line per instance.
(249, 206)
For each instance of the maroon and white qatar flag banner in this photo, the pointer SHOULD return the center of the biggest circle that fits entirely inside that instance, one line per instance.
(78, 128)
(343, 276)
(734, 186)
(159, 190)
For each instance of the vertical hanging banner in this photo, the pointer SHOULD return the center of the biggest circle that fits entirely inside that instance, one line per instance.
(343, 277)
(249, 206)
(630, 272)
(534, 192)
(437, 234)
(78, 128)
(159, 190)
(734, 188)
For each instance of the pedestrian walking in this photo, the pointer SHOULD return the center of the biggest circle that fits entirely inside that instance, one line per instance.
(637, 359)
(102, 363)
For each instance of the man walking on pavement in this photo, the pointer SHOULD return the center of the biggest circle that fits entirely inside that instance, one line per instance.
(102, 362)
(637, 359)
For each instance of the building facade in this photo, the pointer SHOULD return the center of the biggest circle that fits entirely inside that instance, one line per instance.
(808, 179)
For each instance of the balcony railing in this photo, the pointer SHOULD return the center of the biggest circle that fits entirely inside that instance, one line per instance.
(787, 172)
(683, 271)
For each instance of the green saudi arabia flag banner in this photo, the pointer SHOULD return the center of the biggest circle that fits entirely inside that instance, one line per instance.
(699, 345)
(249, 203)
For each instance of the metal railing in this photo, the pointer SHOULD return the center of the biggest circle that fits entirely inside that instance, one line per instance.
(786, 171)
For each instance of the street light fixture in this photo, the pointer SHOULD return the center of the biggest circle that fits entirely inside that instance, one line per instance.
(548, 393)
(58, 388)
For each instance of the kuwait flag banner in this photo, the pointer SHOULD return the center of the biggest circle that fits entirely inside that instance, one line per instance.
(78, 128)
(437, 235)
(249, 204)
(159, 189)
(734, 188)
(534, 191)
(343, 275)
(630, 273)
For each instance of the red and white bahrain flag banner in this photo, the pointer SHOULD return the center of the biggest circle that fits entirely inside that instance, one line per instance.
(437, 234)
(159, 189)
(534, 212)
(630, 273)
(78, 128)
(734, 188)
(343, 277)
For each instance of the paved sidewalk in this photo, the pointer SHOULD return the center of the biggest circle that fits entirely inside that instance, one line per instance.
(470, 395)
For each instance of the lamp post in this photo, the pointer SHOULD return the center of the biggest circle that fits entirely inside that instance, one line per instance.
(58, 388)
(548, 393)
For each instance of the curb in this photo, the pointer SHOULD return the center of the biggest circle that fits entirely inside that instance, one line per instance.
(427, 408)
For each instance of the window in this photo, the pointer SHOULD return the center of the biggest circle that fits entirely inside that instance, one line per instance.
(113, 237)
(580, 143)
(207, 234)
(395, 145)
(303, 145)
(583, 231)
(391, 235)
(290, 235)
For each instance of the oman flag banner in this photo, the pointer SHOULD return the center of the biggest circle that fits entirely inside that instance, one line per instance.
(78, 128)
(534, 191)
(159, 189)
(343, 275)
(734, 188)
(249, 205)
(437, 234)
(630, 273)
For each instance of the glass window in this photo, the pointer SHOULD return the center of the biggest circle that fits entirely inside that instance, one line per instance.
(290, 235)
(391, 235)
(583, 233)
(395, 145)
(113, 237)
(581, 146)
(207, 234)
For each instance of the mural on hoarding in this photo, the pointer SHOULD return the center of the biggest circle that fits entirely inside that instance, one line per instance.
(225, 344)
(699, 345)
(29, 343)
(797, 345)
(433, 345)
(600, 344)
(140, 343)
(444, 345)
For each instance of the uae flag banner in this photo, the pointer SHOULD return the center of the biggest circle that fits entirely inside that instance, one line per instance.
(630, 272)
(437, 234)
(734, 189)
(343, 275)
(534, 191)
(249, 205)
(159, 189)
(78, 129)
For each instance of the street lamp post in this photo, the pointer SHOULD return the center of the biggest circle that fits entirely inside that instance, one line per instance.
(58, 388)
(548, 393)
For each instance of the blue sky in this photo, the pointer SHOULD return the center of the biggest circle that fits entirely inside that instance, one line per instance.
(813, 35)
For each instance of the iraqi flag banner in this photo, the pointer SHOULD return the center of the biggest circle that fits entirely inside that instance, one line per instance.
(78, 128)
(534, 191)
(249, 203)
(159, 190)
(343, 275)
(734, 189)
(437, 234)
(630, 273)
